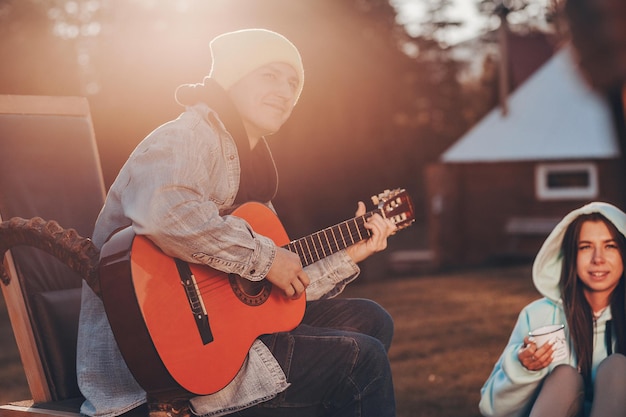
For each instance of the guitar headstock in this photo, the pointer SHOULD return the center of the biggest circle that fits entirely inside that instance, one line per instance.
(397, 206)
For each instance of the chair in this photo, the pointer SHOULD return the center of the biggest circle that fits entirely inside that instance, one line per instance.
(50, 169)
(51, 191)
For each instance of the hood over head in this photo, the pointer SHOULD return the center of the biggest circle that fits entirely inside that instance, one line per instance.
(548, 263)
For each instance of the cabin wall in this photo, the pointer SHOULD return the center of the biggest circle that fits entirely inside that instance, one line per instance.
(486, 213)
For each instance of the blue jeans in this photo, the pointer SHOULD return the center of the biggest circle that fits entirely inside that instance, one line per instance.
(336, 361)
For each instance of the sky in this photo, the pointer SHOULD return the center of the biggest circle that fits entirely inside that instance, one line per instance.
(410, 13)
(473, 23)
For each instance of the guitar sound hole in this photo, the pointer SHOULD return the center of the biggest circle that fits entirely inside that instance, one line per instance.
(252, 293)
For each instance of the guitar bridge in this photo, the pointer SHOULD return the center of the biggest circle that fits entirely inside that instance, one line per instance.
(188, 281)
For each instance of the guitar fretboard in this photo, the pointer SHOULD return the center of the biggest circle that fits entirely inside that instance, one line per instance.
(324, 243)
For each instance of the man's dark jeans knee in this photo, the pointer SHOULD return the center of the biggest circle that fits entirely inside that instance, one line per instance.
(336, 362)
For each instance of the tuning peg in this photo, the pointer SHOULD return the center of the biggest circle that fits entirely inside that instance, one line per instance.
(384, 196)
(381, 197)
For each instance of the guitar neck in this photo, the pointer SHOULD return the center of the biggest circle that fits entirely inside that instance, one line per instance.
(324, 243)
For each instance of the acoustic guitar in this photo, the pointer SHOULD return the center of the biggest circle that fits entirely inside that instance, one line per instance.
(183, 325)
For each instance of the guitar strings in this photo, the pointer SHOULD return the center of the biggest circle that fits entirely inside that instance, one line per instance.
(311, 248)
(209, 283)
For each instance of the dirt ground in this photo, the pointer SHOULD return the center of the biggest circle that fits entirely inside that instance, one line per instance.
(450, 329)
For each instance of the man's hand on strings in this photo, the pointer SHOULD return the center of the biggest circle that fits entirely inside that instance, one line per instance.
(380, 228)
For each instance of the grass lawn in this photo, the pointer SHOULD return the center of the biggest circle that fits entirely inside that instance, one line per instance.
(450, 330)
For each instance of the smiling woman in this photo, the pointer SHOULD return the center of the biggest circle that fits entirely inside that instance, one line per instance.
(599, 262)
(580, 272)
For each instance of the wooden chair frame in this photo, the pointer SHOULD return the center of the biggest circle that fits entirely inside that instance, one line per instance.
(42, 402)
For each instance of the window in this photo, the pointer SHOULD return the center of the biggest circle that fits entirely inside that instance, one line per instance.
(566, 181)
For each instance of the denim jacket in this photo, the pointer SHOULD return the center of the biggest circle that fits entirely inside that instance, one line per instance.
(177, 188)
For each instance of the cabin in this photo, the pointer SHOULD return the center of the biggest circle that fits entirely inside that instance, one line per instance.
(496, 193)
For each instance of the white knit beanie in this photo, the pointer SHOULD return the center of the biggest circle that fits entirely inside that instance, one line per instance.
(236, 54)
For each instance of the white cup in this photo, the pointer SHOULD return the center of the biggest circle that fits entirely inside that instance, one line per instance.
(554, 333)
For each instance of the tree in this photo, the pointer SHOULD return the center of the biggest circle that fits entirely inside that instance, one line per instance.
(348, 137)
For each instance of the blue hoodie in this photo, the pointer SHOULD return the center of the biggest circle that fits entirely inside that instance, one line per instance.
(510, 390)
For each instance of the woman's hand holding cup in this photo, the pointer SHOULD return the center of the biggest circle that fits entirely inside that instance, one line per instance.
(535, 358)
(542, 346)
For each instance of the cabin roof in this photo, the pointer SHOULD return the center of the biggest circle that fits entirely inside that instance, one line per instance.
(554, 115)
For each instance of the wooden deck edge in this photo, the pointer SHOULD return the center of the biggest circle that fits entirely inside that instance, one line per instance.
(27, 410)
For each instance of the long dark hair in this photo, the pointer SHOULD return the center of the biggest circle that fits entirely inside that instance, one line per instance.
(577, 310)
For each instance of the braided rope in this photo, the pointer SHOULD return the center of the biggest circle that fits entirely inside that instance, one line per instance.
(67, 245)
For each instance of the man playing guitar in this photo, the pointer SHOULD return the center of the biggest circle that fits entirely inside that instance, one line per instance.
(179, 191)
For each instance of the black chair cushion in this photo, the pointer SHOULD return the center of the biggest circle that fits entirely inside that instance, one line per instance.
(58, 313)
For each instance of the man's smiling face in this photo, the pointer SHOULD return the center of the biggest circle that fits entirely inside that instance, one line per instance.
(265, 98)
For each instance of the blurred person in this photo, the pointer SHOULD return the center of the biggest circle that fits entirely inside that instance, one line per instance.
(598, 33)
(579, 270)
(178, 188)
